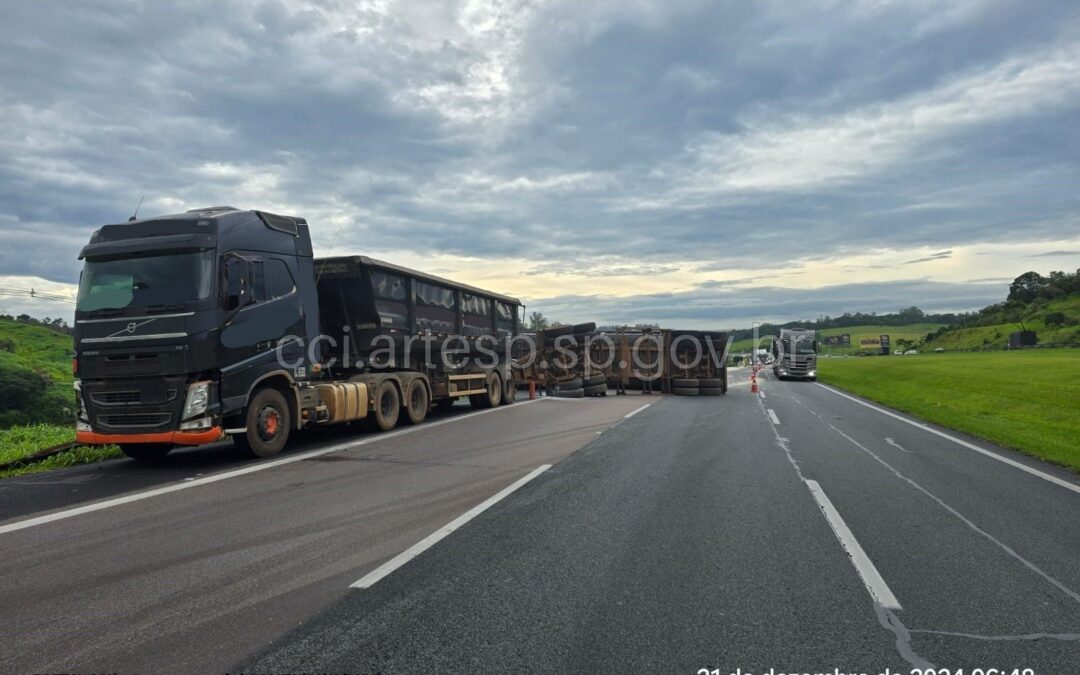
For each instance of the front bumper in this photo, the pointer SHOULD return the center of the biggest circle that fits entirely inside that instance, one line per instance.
(173, 437)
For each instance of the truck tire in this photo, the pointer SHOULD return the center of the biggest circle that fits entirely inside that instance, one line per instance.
(387, 406)
(571, 393)
(493, 397)
(596, 390)
(684, 391)
(146, 452)
(594, 380)
(417, 401)
(510, 390)
(711, 382)
(685, 383)
(268, 424)
(711, 391)
(575, 383)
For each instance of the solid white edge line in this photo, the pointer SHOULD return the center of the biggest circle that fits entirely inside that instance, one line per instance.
(634, 412)
(261, 466)
(875, 584)
(388, 567)
(970, 446)
(773, 417)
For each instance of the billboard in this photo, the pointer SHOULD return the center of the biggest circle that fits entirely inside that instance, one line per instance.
(875, 344)
(838, 340)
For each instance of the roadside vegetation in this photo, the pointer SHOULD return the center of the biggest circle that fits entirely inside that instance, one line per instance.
(37, 399)
(18, 443)
(1001, 396)
(35, 374)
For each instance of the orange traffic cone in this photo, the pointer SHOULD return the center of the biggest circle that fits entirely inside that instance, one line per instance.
(753, 384)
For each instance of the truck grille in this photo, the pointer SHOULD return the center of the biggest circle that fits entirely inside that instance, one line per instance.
(131, 420)
(118, 398)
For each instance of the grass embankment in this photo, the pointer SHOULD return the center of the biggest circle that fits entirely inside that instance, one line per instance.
(997, 336)
(19, 442)
(1025, 400)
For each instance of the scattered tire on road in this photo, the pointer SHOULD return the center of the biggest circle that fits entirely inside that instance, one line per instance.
(571, 393)
(685, 391)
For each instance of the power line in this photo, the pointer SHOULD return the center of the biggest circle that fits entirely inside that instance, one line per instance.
(14, 291)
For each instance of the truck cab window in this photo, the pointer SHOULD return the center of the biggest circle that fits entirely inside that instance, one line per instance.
(279, 279)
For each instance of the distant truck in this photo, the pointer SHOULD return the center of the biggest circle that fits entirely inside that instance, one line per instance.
(795, 354)
(219, 323)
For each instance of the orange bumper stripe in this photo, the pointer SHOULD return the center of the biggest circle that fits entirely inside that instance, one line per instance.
(174, 437)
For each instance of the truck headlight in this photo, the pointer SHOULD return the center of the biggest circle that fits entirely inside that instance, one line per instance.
(198, 398)
(812, 373)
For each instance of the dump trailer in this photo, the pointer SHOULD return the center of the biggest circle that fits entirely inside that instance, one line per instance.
(219, 322)
(795, 354)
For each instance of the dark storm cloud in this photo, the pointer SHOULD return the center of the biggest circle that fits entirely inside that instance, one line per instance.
(594, 138)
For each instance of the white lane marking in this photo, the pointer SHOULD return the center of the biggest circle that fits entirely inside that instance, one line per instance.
(1002, 545)
(970, 446)
(872, 579)
(773, 417)
(634, 412)
(380, 572)
(761, 393)
(893, 443)
(875, 584)
(261, 466)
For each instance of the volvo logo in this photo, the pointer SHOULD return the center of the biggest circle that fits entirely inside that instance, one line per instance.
(132, 327)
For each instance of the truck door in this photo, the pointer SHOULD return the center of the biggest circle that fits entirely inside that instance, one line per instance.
(273, 314)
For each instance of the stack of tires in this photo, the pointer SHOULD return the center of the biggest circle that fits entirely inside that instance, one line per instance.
(596, 385)
(692, 386)
(593, 385)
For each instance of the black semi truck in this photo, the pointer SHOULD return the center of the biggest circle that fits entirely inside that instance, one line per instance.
(219, 322)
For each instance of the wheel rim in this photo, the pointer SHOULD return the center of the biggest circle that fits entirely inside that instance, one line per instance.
(417, 399)
(386, 407)
(269, 423)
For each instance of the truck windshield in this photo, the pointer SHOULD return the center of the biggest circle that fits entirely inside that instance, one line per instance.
(146, 282)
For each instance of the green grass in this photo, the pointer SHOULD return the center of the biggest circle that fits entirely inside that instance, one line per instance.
(997, 336)
(1027, 400)
(19, 442)
(35, 375)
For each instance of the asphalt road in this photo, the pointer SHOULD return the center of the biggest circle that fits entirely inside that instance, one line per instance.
(803, 531)
(193, 579)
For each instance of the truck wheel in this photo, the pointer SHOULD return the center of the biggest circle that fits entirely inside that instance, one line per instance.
(387, 406)
(417, 402)
(685, 382)
(510, 390)
(596, 389)
(593, 380)
(268, 424)
(146, 452)
(711, 382)
(493, 397)
(685, 391)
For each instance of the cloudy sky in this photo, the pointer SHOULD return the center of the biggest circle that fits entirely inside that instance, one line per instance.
(692, 163)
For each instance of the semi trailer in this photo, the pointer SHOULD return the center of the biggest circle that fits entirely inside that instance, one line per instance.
(795, 354)
(219, 322)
